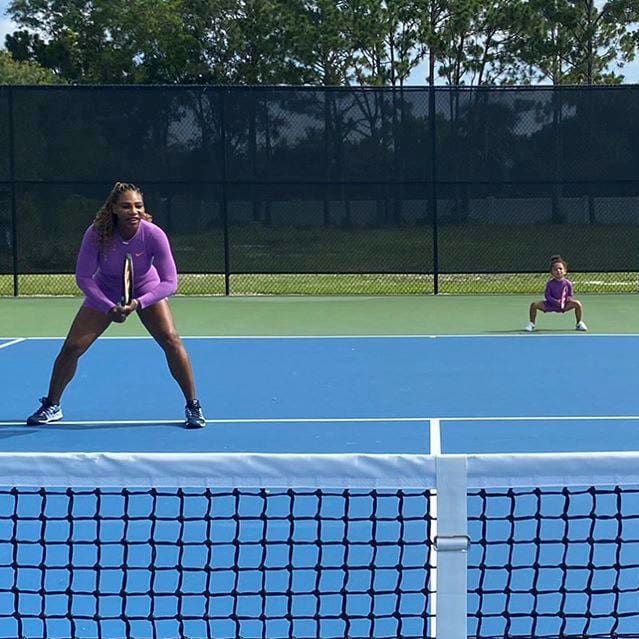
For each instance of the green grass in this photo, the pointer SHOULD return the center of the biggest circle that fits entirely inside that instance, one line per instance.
(349, 284)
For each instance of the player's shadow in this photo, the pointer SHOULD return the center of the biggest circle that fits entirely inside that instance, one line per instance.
(10, 430)
(89, 426)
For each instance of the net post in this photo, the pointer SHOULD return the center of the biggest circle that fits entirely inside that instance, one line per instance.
(451, 545)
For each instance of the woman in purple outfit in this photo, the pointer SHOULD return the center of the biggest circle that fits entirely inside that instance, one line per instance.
(123, 226)
(558, 296)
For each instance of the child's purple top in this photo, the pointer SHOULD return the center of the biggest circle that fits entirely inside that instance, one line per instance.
(554, 290)
(98, 271)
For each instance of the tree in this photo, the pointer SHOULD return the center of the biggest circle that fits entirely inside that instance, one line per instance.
(433, 16)
(475, 39)
(80, 41)
(498, 27)
(16, 72)
(124, 41)
(321, 47)
(576, 41)
(326, 42)
(385, 36)
(258, 46)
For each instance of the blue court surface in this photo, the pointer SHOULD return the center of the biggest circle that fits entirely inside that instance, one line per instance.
(462, 394)
(529, 393)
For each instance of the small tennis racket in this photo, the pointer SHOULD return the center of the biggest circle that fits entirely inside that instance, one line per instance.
(127, 280)
(562, 301)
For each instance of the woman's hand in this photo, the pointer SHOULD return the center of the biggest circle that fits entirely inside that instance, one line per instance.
(130, 308)
(120, 313)
(116, 314)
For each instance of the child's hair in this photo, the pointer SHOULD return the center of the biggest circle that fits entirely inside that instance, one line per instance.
(557, 258)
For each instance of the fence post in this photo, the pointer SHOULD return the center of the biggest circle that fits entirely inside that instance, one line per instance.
(433, 184)
(225, 206)
(14, 215)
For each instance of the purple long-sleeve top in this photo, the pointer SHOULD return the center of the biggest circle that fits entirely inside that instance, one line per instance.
(555, 289)
(98, 270)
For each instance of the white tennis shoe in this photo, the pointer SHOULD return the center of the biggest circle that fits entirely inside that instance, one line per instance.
(530, 327)
(581, 327)
(46, 414)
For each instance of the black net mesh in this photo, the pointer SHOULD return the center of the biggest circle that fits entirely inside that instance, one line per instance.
(51, 222)
(6, 239)
(5, 142)
(214, 564)
(536, 135)
(115, 133)
(335, 190)
(510, 228)
(6, 228)
(554, 563)
(200, 563)
(321, 229)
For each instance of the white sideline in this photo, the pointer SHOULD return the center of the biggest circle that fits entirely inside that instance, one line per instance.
(245, 420)
(434, 422)
(13, 341)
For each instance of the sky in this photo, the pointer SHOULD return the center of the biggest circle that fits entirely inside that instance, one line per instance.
(630, 71)
(5, 23)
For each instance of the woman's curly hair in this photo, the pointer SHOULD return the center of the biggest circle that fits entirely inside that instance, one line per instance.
(105, 219)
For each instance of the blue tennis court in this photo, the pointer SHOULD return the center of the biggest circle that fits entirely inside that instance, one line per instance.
(247, 563)
(336, 394)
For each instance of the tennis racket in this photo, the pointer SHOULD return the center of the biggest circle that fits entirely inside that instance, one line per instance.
(127, 280)
(562, 301)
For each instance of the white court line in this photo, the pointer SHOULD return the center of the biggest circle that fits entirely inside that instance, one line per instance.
(434, 423)
(288, 420)
(538, 418)
(435, 437)
(521, 335)
(13, 341)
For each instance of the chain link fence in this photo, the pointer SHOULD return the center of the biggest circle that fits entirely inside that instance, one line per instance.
(330, 191)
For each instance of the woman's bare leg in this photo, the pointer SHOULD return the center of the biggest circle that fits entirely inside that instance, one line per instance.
(87, 326)
(158, 320)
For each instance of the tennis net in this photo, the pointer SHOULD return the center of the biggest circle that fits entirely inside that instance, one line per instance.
(136, 546)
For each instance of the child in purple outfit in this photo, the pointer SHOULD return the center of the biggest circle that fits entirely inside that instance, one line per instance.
(558, 296)
(123, 226)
